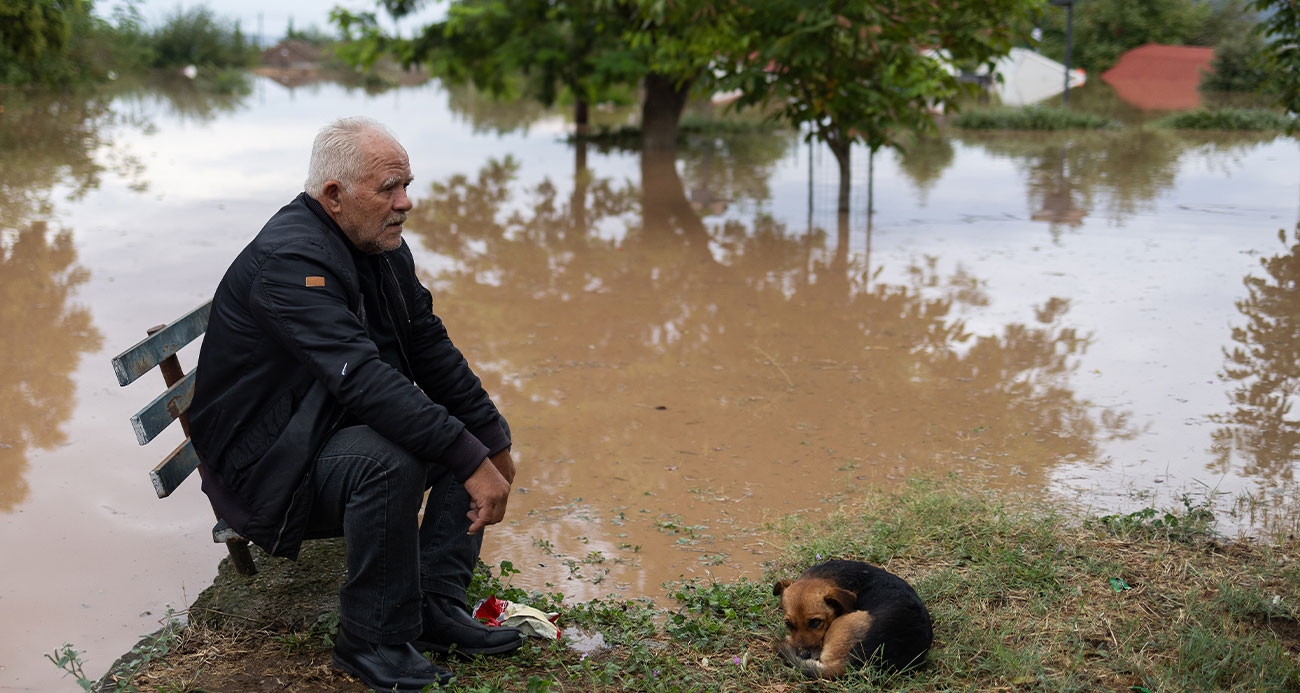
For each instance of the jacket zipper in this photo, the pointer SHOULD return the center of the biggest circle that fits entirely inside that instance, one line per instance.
(397, 323)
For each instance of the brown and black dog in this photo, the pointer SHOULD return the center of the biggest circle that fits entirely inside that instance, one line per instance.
(842, 612)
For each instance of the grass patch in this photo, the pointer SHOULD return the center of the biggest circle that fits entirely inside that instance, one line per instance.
(1255, 119)
(1030, 118)
(1024, 595)
(628, 137)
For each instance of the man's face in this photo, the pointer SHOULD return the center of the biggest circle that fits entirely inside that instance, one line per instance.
(372, 211)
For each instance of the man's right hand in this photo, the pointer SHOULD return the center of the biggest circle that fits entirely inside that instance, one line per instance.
(488, 493)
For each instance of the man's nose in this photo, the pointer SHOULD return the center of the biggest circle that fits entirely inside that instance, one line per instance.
(402, 202)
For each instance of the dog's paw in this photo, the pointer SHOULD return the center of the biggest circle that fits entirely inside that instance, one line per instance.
(787, 652)
(813, 668)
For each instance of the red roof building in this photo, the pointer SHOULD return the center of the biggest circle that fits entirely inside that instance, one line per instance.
(1156, 77)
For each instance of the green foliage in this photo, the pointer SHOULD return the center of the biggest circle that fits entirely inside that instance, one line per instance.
(1030, 118)
(676, 40)
(865, 71)
(363, 42)
(582, 52)
(198, 37)
(69, 660)
(1195, 521)
(151, 648)
(1281, 56)
(312, 34)
(710, 613)
(49, 42)
(557, 48)
(484, 584)
(1236, 64)
(1225, 20)
(1105, 29)
(32, 29)
(1256, 119)
(124, 42)
(38, 40)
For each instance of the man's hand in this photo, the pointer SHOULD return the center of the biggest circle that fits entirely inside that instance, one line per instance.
(488, 493)
(505, 464)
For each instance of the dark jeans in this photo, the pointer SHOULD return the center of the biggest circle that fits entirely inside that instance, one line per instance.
(368, 490)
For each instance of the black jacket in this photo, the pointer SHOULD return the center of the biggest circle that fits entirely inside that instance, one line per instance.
(288, 356)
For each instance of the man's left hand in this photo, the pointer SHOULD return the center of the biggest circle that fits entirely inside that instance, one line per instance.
(505, 464)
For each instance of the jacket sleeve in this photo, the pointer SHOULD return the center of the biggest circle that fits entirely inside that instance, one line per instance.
(300, 299)
(442, 371)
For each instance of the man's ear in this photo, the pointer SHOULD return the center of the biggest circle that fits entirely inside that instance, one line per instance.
(331, 197)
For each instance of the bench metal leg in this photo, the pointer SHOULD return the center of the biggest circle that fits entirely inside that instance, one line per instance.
(241, 557)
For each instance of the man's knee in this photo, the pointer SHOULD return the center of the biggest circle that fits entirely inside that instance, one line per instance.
(376, 458)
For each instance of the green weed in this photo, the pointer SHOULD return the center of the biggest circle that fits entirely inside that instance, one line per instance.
(1256, 119)
(1030, 118)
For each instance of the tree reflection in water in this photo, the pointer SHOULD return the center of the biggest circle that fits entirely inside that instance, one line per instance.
(1115, 174)
(48, 142)
(42, 334)
(767, 340)
(1265, 365)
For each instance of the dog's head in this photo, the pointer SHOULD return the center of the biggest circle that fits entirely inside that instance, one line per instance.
(810, 604)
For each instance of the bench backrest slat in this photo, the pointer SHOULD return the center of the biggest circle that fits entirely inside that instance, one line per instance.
(152, 350)
(160, 349)
(174, 469)
(164, 409)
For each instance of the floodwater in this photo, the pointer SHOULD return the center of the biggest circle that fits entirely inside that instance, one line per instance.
(684, 352)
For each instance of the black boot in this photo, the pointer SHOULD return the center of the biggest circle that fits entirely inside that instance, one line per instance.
(448, 627)
(386, 667)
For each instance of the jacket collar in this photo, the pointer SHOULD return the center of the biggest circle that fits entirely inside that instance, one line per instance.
(319, 210)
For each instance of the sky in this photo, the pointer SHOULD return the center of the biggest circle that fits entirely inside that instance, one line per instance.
(274, 17)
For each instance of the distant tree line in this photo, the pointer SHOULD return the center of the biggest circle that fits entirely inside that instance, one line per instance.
(62, 42)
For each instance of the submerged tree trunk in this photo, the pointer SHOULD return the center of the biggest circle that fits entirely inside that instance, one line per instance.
(581, 118)
(840, 148)
(662, 109)
(581, 180)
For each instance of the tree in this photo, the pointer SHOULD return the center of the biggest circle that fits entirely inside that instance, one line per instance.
(586, 48)
(1281, 57)
(36, 38)
(197, 36)
(1105, 29)
(508, 48)
(677, 43)
(869, 72)
(1235, 65)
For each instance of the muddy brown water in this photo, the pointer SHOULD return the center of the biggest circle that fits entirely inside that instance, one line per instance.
(685, 350)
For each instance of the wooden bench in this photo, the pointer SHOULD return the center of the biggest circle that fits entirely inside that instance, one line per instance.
(160, 349)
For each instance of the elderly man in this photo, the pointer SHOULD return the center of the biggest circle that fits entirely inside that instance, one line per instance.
(330, 398)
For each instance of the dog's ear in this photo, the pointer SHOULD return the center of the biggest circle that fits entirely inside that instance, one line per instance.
(840, 600)
(780, 586)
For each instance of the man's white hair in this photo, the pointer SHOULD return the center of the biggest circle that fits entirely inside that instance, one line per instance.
(336, 153)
